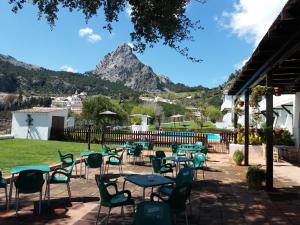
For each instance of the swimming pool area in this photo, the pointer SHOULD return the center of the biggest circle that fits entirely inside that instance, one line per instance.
(210, 136)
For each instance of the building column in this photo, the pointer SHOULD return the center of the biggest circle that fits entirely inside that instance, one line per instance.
(246, 150)
(235, 120)
(296, 118)
(269, 134)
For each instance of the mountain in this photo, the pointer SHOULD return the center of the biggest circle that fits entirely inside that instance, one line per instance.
(13, 61)
(123, 65)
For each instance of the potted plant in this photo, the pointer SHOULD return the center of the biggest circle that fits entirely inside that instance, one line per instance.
(241, 103)
(256, 95)
(238, 157)
(255, 177)
(277, 91)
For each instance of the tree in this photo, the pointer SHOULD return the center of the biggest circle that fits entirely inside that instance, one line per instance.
(214, 114)
(93, 106)
(153, 20)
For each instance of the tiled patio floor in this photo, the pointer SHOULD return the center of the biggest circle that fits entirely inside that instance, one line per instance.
(221, 199)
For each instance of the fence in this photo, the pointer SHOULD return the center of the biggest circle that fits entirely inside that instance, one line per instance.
(215, 142)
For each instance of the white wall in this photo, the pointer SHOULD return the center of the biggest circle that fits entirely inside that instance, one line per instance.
(41, 127)
(39, 130)
(296, 126)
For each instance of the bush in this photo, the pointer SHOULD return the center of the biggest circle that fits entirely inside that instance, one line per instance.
(238, 157)
(255, 176)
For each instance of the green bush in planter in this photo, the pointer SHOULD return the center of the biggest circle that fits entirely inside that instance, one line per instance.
(255, 176)
(238, 157)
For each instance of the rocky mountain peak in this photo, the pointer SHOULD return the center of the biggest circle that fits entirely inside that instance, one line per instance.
(123, 65)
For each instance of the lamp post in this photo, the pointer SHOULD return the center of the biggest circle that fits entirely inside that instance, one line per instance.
(89, 124)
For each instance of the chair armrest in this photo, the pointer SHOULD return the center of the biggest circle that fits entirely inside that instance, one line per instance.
(112, 184)
(123, 192)
(167, 165)
(59, 172)
(68, 155)
(114, 156)
(156, 195)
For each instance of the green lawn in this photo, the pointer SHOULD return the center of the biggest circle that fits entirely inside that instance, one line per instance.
(15, 152)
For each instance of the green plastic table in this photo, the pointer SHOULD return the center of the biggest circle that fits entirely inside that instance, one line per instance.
(17, 169)
(146, 181)
(178, 160)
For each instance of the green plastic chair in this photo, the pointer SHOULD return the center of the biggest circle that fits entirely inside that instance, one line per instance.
(174, 147)
(60, 176)
(115, 160)
(198, 162)
(176, 201)
(3, 184)
(28, 182)
(93, 161)
(120, 198)
(109, 150)
(67, 160)
(152, 213)
(161, 155)
(161, 168)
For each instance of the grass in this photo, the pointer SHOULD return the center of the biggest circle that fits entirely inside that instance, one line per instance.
(16, 152)
(188, 124)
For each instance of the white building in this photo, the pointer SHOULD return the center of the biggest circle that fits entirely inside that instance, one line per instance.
(144, 123)
(73, 102)
(36, 123)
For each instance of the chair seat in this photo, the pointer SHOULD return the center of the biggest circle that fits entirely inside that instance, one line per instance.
(166, 190)
(59, 180)
(113, 162)
(120, 200)
(181, 154)
(67, 161)
(165, 170)
(2, 183)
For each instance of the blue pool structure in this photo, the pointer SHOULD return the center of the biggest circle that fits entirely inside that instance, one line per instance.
(210, 136)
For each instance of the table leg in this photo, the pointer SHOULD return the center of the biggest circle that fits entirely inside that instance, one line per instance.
(80, 167)
(11, 183)
(124, 185)
(144, 194)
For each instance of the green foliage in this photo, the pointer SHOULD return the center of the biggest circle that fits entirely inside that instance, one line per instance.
(136, 120)
(238, 157)
(172, 109)
(214, 113)
(255, 176)
(256, 95)
(153, 21)
(283, 138)
(93, 106)
(144, 109)
(254, 138)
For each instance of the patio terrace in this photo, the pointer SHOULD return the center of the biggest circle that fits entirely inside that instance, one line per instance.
(222, 198)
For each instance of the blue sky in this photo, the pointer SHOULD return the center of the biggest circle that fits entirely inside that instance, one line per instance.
(232, 29)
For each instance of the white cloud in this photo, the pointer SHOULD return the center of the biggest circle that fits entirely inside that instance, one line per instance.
(128, 10)
(130, 45)
(85, 31)
(68, 69)
(89, 34)
(250, 19)
(241, 64)
(94, 38)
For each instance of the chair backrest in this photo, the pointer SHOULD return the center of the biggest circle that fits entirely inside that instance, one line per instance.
(177, 200)
(152, 213)
(150, 146)
(30, 181)
(156, 165)
(161, 155)
(204, 150)
(60, 154)
(121, 156)
(0, 175)
(94, 160)
(184, 177)
(199, 159)
(104, 194)
(174, 147)
(106, 149)
(138, 150)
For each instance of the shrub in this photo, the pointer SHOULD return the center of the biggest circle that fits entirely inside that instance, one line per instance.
(238, 157)
(255, 176)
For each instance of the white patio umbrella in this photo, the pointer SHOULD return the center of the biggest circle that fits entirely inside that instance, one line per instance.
(176, 116)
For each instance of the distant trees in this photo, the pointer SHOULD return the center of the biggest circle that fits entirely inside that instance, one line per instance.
(93, 106)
